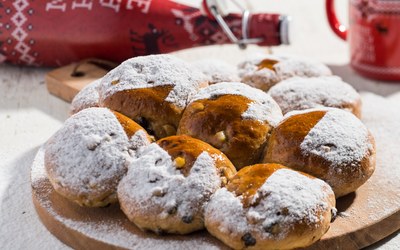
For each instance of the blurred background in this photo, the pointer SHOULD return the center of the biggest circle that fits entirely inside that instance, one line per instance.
(310, 37)
(310, 34)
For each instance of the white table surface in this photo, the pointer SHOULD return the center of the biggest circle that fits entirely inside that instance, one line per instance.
(29, 115)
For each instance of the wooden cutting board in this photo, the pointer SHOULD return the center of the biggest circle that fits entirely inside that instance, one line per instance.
(365, 217)
(67, 81)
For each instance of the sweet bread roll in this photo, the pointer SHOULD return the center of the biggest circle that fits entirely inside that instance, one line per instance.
(330, 144)
(88, 156)
(167, 186)
(268, 206)
(88, 97)
(233, 117)
(151, 90)
(217, 70)
(264, 71)
(299, 93)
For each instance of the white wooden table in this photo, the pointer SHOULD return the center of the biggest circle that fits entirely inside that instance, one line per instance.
(29, 116)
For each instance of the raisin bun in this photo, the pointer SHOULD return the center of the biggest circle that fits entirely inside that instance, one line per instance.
(167, 186)
(264, 71)
(330, 144)
(88, 97)
(87, 157)
(268, 206)
(217, 70)
(299, 93)
(233, 117)
(152, 90)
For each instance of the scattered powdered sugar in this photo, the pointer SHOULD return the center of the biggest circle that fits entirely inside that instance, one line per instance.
(262, 107)
(38, 172)
(299, 93)
(151, 71)
(338, 137)
(263, 112)
(86, 98)
(285, 198)
(91, 149)
(154, 182)
(301, 196)
(227, 209)
(217, 70)
(137, 141)
(343, 214)
(381, 115)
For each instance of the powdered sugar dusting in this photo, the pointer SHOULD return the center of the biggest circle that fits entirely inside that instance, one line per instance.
(217, 70)
(111, 230)
(154, 182)
(259, 78)
(285, 198)
(381, 117)
(299, 93)
(38, 172)
(90, 150)
(300, 67)
(286, 67)
(302, 196)
(86, 98)
(262, 107)
(152, 71)
(138, 140)
(338, 137)
(232, 216)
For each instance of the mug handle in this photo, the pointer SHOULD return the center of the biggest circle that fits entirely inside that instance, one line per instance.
(339, 29)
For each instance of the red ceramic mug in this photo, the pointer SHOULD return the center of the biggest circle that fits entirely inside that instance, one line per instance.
(373, 35)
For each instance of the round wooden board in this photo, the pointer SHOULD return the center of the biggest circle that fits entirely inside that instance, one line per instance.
(365, 217)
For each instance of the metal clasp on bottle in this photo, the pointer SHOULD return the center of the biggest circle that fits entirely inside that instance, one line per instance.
(213, 9)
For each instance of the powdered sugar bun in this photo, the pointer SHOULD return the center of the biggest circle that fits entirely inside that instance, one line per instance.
(152, 90)
(167, 186)
(331, 144)
(233, 117)
(86, 98)
(217, 70)
(264, 71)
(268, 206)
(298, 93)
(88, 156)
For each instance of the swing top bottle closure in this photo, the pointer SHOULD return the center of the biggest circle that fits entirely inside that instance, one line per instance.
(55, 33)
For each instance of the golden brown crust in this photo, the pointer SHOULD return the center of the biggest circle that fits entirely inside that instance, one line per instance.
(130, 127)
(249, 179)
(147, 106)
(285, 140)
(267, 64)
(219, 122)
(284, 148)
(185, 150)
